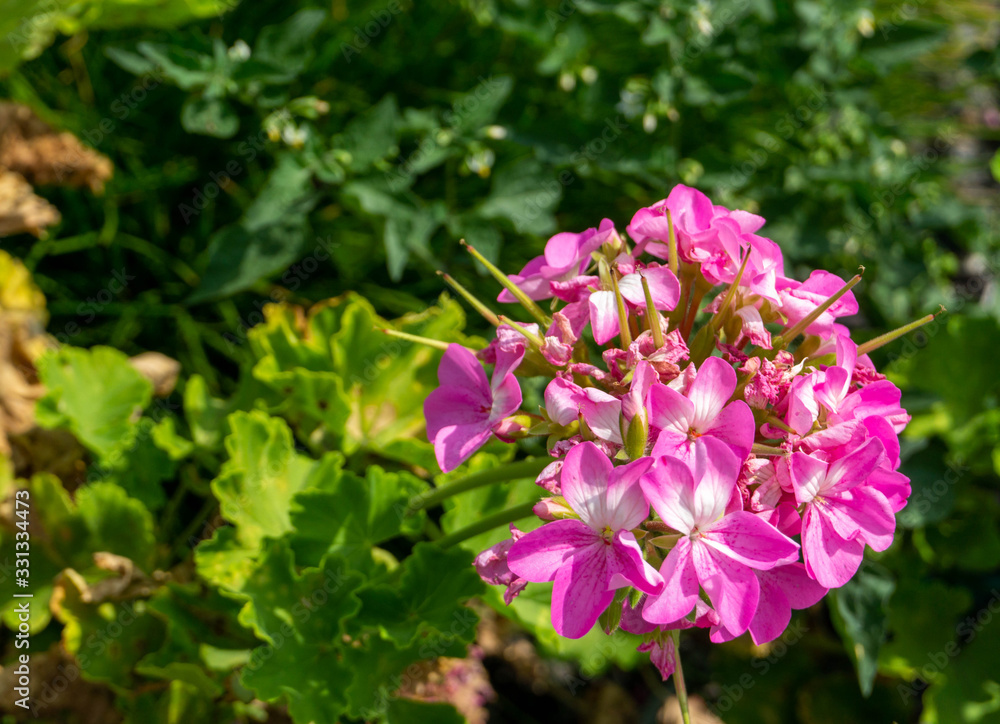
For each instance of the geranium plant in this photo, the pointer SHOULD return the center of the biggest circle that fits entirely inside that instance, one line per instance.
(721, 450)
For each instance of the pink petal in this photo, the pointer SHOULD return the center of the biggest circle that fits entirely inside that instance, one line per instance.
(865, 514)
(669, 488)
(603, 316)
(735, 427)
(661, 655)
(581, 592)
(893, 485)
(643, 379)
(585, 475)
(731, 587)
(773, 612)
(713, 385)
(629, 568)
(602, 413)
(753, 326)
(853, 469)
(879, 427)
(563, 400)
(830, 560)
(531, 282)
(537, 556)
(669, 409)
(747, 539)
(808, 476)
(506, 399)
(625, 502)
(800, 590)
(460, 368)
(715, 469)
(680, 587)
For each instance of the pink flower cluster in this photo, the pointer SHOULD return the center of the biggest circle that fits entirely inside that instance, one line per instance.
(730, 459)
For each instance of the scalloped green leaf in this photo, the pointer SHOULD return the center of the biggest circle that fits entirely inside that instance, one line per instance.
(256, 484)
(350, 515)
(95, 394)
(428, 596)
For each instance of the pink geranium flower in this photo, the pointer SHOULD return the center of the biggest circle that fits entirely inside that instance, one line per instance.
(718, 550)
(566, 256)
(491, 565)
(799, 299)
(704, 411)
(467, 408)
(842, 514)
(591, 557)
(782, 589)
(663, 287)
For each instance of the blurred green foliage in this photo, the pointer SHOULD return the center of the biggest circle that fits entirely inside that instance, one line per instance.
(290, 153)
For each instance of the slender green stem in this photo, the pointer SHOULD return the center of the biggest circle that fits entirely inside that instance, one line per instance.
(682, 692)
(435, 343)
(652, 316)
(788, 335)
(672, 245)
(488, 314)
(759, 449)
(523, 469)
(873, 344)
(527, 302)
(488, 523)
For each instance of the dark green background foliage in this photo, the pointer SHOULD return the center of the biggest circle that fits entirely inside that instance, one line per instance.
(290, 152)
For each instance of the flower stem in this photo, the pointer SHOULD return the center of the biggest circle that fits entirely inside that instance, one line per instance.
(873, 344)
(435, 343)
(766, 450)
(529, 304)
(682, 692)
(488, 314)
(488, 523)
(523, 469)
(783, 339)
(672, 245)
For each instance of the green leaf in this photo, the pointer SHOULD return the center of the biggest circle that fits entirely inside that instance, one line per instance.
(377, 667)
(107, 639)
(383, 381)
(407, 711)
(223, 561)
(967, 689)
(860, 614)
(270, 236)
(95, 394)
(117, 523)
(210, 117)
(525, 195)
(300, 616)
(309, 607)
(256, 484)
(924, 624)
(433, 584)
(350, 515)
(371, 136)
(288, 45)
